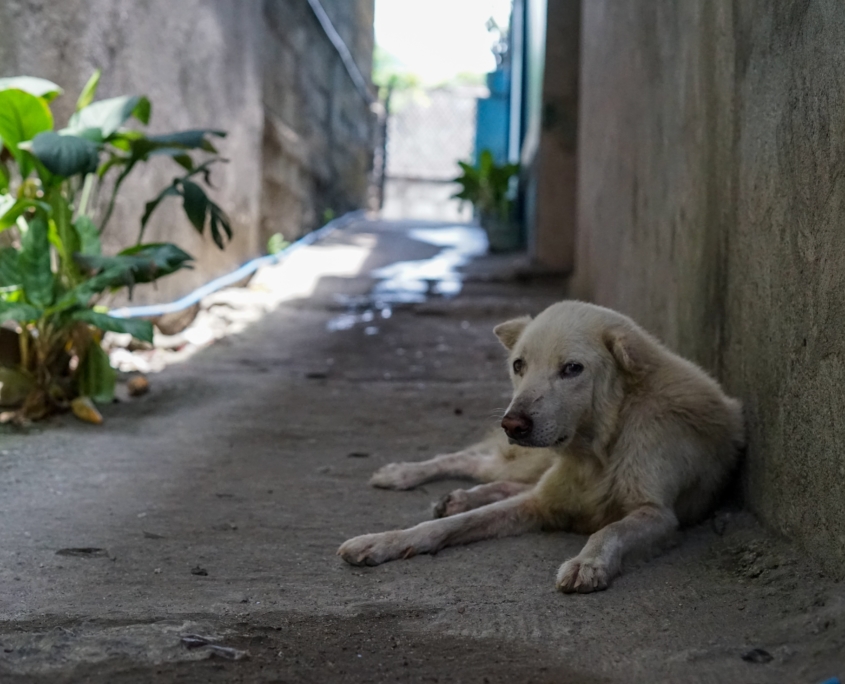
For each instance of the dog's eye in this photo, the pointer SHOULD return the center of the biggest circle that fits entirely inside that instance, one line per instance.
(518, 366)
(570, 370)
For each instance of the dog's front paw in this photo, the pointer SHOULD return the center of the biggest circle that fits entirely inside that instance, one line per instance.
(582, 575)
(397, 476)
(454, 502)
(373, 549)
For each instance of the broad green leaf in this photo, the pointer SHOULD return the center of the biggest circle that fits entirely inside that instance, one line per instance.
(109, 115)
(40, 87)
(47, 178)
(86, 97)
(94, 135)
(10, 273)
(89, 236)
(140, 264)
(81, 294)
(22, 117)
(195, 204)
(184, 160)
(219, 220)
(34, 263)
(66, 155)
(143, 111)
(140, 329)
(95, 377)
(150, 207)
(22, 313)
(11, 209)
(174, 145)
(190, 139)
(4, 173)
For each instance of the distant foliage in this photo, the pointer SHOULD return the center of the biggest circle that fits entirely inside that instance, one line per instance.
(487, 185)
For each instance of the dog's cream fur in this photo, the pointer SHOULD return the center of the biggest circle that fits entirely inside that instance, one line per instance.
(626, 445)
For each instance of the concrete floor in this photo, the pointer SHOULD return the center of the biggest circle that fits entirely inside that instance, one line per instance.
(218, 501)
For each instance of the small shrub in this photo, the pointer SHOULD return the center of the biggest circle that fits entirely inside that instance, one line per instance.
(52, 269)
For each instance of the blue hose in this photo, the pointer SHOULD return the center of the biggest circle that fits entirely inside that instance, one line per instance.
(153, 310)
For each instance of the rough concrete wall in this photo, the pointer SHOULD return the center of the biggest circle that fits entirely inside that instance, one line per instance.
(354, 20)
(553, 238)
(784, 345)
(318, 139)
(654, 146)
(196, 61)
(710, 188)
(300, 135)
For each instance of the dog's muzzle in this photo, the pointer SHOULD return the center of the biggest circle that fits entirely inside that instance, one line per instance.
(517, 426)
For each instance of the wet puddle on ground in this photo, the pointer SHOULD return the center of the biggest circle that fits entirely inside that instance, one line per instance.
(414, 282)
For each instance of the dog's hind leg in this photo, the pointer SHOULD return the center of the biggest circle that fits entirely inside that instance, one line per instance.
(601, 558)
(492, 460)
(477, 462)
(506, 518)
(462, 500)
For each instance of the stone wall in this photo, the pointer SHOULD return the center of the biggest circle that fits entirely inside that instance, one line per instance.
(297, 128)
(711, 150)
(319, 128)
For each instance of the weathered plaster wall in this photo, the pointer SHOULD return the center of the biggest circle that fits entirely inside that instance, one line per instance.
(711, 152)
(215, 64)
(318, 138)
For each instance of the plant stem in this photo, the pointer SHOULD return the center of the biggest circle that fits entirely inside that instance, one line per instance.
(86, 194)
(110, 208)
(23, 345)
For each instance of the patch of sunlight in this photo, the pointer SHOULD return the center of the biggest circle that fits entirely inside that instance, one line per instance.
(233, 309)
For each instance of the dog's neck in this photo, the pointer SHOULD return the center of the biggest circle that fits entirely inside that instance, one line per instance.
(600, 429)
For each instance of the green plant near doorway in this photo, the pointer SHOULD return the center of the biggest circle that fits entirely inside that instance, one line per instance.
(487, 187)
(57, 194)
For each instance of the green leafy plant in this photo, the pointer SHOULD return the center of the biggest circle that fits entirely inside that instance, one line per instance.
(57, 194)
(486, 185)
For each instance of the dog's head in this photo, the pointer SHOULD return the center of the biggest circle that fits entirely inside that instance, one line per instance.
(570, 367)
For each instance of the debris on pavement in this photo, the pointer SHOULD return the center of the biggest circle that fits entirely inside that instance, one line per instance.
(757, 655)
(358, 454)
(192, 641)
(84, 552)
(198, 570)
(84, 409)
(137, 385)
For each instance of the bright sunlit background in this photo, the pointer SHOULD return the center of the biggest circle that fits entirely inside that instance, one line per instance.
(438, 41)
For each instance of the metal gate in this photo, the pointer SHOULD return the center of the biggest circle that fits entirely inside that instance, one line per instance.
(425, 133)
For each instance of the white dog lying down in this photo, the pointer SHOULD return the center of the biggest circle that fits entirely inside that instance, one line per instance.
(608, 434)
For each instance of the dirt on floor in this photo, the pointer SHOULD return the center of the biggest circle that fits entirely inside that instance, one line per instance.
(214, 504)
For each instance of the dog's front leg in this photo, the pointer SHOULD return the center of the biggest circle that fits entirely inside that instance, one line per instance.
(504, 518)
(601, 558)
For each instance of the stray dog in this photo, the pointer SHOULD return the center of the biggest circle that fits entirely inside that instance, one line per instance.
(608, 434)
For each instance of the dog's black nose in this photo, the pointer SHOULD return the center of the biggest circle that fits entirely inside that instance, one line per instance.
(517, 425)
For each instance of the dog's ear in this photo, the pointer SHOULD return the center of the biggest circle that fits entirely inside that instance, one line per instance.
(623, 347)
(509, 331)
